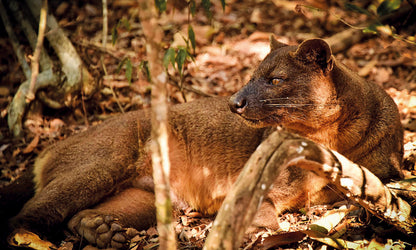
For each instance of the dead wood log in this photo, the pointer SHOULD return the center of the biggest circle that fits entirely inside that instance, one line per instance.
(282, 150)
(345, 39)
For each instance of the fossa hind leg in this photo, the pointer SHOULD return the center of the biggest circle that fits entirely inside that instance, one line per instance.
(63, 197)
(79, 172)
(114, 222)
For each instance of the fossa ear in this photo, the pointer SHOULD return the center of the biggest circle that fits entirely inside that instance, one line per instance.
(274, 44)
(315, 51)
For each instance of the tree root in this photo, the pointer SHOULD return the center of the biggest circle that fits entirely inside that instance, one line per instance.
(72, 78)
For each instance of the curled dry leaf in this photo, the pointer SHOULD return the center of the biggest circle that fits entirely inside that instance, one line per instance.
(330, 220)
(32, 145)
(283, 239)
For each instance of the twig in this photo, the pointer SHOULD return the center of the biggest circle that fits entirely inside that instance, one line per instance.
(35, 58)
(187, 87)
(192, 89)
(105, 24)
(113, 93)
(104, 48)
(99, 47)
(84, 109)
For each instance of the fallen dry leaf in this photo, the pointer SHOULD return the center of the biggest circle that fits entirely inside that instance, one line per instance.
(333, 242)
(283, 239)
(330, 220)
(24, 238)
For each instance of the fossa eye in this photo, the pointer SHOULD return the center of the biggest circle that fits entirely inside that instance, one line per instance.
(276, 81)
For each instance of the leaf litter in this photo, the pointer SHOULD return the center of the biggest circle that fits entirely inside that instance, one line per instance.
(226, 54)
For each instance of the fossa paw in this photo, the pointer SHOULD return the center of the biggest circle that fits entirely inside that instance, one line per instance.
(104, 231)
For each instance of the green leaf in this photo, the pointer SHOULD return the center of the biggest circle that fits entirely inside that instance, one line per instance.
(180, 58)
(147, 70)
(144, 66)
(371, 29)
(206, 4)
(192, 7)
(125, 22)
(161, 5)
(169, 57)
(129, 70)
(114, 35)
(388, 6)
(191, 35)
(223, 5)
(353, 7)
(189, 55)
(120, 65)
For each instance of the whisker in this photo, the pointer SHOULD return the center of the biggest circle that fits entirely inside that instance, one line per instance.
(297, 104)
(278, 99)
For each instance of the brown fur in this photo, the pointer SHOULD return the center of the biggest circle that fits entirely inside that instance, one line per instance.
(103, 176)
(343, 111)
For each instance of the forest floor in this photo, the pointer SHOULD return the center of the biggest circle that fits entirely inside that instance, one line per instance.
(229, 46)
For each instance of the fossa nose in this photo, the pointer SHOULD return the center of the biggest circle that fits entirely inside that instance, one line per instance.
(237, 104)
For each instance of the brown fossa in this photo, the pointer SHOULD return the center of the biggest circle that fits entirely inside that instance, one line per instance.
(100, 181)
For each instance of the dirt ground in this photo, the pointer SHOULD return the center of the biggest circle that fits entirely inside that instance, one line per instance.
(228, 48)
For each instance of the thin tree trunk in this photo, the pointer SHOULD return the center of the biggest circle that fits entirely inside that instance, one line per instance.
(160, 149)
(36, 55)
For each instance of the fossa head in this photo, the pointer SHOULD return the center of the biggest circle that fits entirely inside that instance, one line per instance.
(292, 87)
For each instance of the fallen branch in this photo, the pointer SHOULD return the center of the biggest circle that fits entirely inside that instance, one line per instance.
(362, 186)
(282, 150)
(241, 203)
